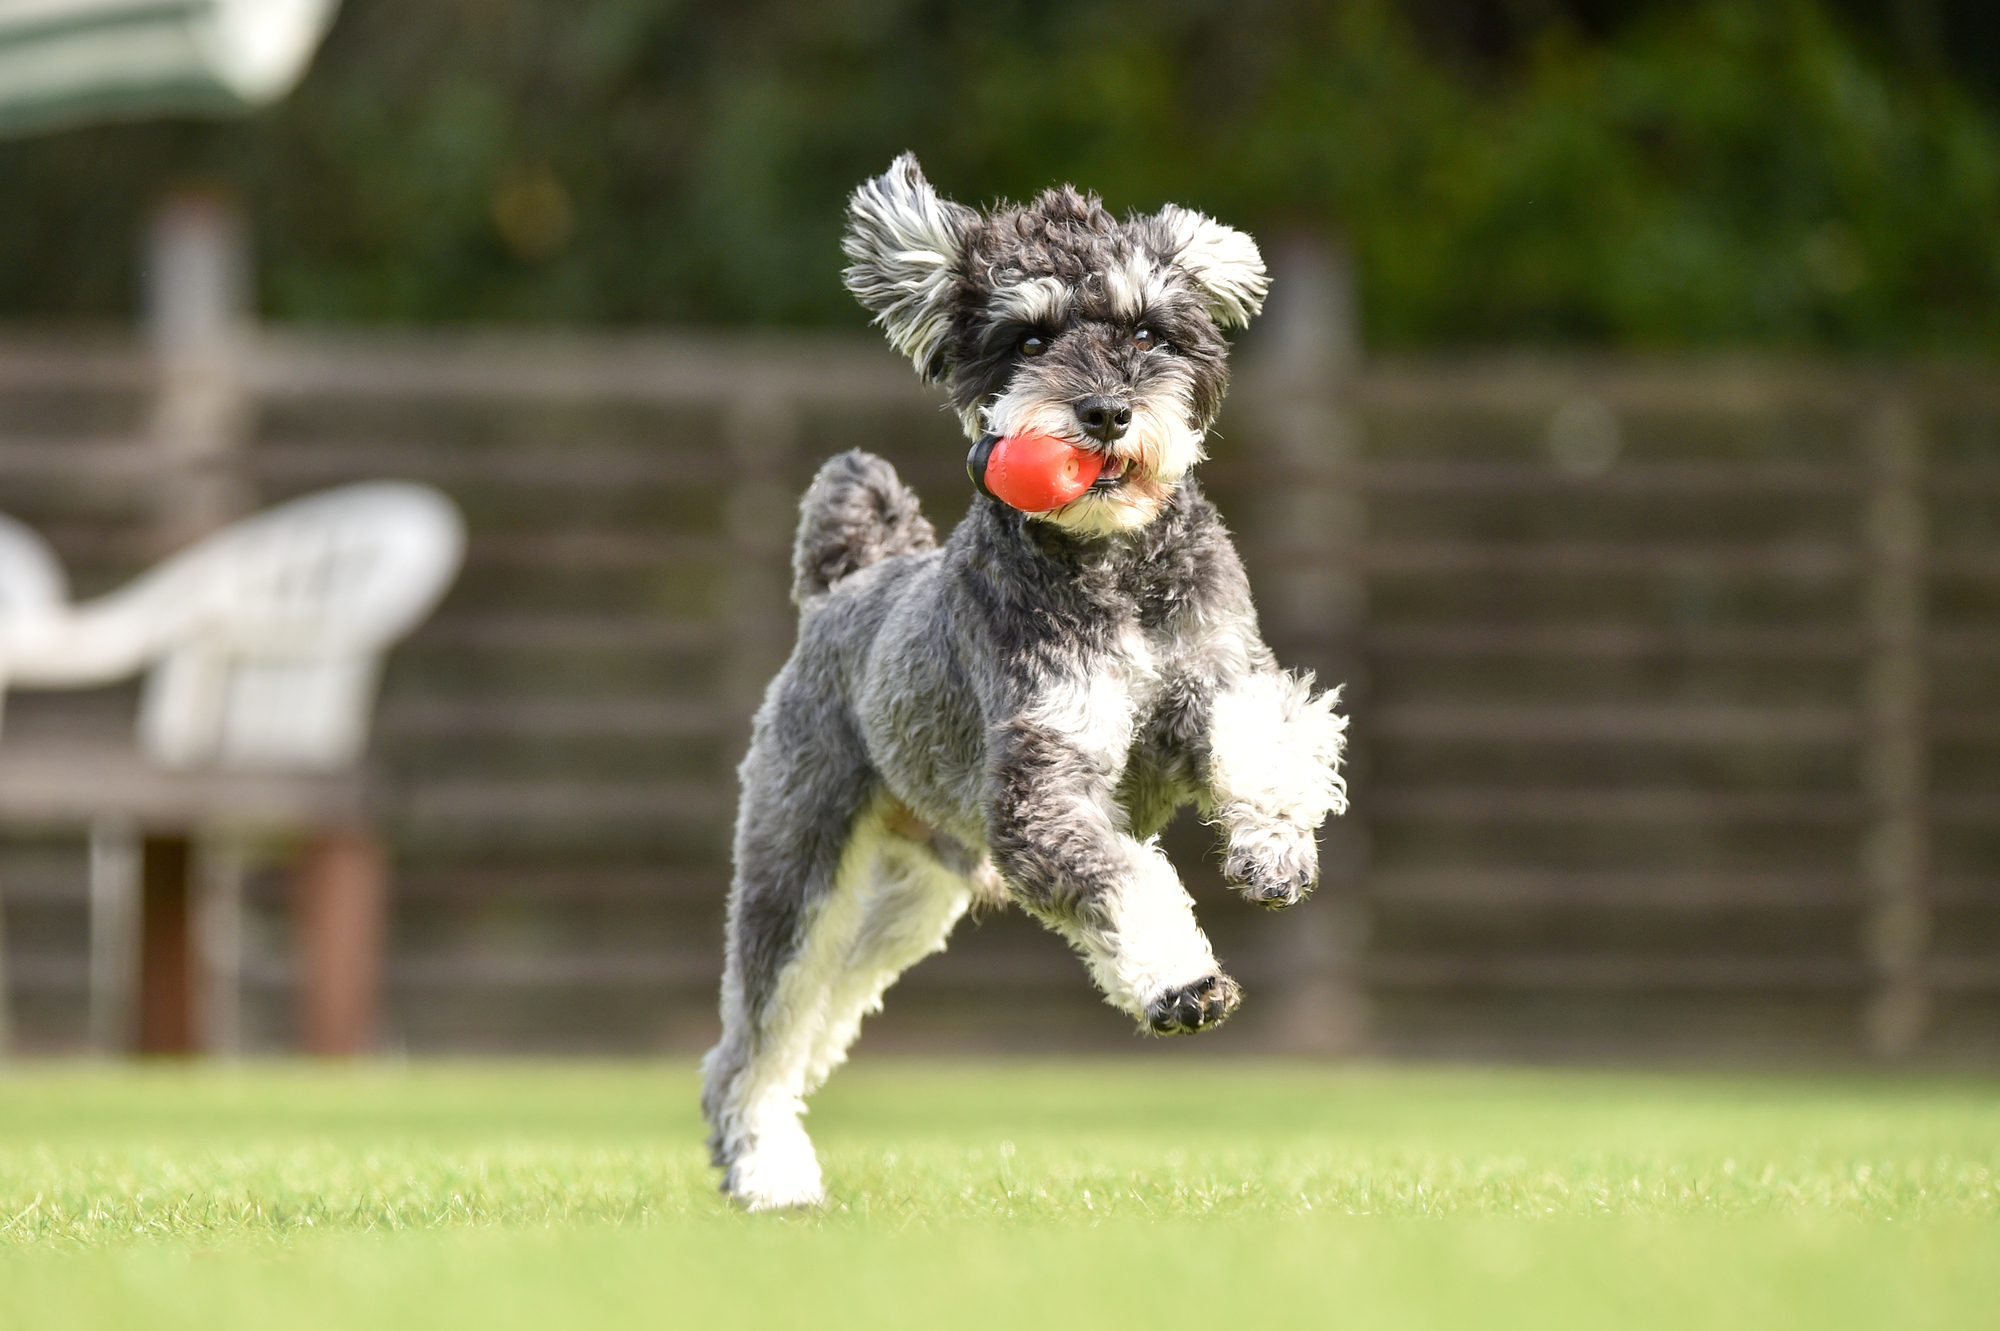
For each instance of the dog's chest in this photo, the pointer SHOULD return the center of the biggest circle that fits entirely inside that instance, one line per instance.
(1102, 702)
(1113, 645)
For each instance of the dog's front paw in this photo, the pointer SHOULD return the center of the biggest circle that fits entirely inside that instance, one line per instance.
(1272, 866)
(1194, 1007)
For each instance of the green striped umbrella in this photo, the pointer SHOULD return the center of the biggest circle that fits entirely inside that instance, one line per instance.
(63, 62)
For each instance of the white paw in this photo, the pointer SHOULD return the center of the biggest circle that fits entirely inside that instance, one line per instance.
(1152, 945)
(776, 1172)
(1273, 865)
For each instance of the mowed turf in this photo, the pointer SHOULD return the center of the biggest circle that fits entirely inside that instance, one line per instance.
(1146, 1193)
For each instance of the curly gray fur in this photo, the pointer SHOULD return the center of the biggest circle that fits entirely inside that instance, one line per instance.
(857, 512)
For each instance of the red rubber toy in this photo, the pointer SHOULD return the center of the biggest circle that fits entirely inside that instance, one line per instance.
(1034, 472)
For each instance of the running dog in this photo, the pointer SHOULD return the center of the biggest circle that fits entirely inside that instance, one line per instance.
(1015, 714)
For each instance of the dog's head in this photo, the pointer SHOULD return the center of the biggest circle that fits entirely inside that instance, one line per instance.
(1057, 318)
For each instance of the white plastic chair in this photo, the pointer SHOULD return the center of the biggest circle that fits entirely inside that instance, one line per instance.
(261, 643)
(261, 646)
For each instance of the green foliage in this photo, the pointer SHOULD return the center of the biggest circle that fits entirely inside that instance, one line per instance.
(1735, 172)
(1141, 1192)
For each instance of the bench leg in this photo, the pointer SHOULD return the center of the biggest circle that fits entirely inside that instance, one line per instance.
(167, 961)
(114, 934)
(341, 898)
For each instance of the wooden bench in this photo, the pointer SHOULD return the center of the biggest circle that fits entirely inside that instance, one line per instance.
(260, 646)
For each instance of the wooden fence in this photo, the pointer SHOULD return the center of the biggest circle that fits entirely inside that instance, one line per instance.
(1676, 719)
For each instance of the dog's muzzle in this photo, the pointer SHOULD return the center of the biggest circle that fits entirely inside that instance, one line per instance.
(1035, 473)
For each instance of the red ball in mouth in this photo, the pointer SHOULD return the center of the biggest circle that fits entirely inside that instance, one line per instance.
(1033, 472)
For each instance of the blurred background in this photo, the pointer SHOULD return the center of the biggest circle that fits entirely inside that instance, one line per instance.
(1623, 431)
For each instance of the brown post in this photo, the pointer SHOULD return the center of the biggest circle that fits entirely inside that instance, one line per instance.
(198, 300)
(166, 947)
(1895, 850)
(1312, 519)
(341, 897)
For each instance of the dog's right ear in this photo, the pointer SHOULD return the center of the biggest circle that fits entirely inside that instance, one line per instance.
(1223, 261)
(907, 245)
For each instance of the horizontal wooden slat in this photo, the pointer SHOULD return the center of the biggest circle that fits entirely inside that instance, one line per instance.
(1611, 641)
(1971, 809)
(1647, 480)
(542, 631)
(460, 883)
(1963, 974)
(94, 462)
(41, 972)
(1577, 558)
(1955, 644)
(1983, 564)
(1660, 805)
(1964, 726)
(1583, 972)
(564, 470)
(701, 970)
(572, 801)
(704, 367)
(491, 969)
(104, 361)
(577, 549)
(649, 717)
(1724, 386)
(1960, 482)
(1612, 723)
(1637, 888)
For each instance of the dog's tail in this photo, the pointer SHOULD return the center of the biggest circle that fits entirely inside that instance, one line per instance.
(856, 513)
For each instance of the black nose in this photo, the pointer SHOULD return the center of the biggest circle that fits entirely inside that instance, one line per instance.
(1103, 418)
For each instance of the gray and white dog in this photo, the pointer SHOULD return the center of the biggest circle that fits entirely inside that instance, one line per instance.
(1013, 715)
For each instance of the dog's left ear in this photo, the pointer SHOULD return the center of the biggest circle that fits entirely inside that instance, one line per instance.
(907, 245)
(1223, 261)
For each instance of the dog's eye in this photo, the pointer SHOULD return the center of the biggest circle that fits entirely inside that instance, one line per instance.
(1146, 339)
(1034, 344)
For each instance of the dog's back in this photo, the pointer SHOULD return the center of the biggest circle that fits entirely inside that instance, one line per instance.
(856, 513)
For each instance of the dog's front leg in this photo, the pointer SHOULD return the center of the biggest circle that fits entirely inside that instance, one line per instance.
(1059, 843)
(1273, 778)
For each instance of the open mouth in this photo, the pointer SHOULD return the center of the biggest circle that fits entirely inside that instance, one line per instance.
(1111, 477)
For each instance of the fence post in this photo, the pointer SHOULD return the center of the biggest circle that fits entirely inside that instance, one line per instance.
(1311, 591)
(1895, 850)
(197, 298)
(197, 257)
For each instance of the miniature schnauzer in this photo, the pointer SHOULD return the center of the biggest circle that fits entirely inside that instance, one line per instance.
(1013, 715)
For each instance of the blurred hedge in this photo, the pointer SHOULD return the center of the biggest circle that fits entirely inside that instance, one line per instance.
(1721, 173)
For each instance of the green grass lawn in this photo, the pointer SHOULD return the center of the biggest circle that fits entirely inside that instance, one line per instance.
(1142, 1193)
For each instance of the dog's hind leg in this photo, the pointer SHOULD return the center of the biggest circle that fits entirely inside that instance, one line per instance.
(902, 887)
(891, 898)
(805, 779)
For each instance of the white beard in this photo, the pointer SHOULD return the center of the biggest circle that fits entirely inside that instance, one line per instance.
(1158, 449)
